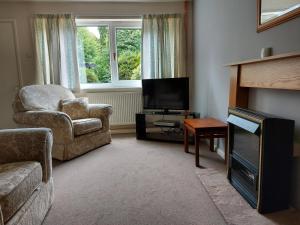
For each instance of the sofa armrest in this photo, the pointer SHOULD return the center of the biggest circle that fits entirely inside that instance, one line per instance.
(28, 144)
(60, 123)
(101, 111)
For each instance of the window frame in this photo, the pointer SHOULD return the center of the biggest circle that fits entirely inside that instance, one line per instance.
(113, 25)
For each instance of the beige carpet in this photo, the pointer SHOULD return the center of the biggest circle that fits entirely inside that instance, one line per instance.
(132, 182)
(234, 208)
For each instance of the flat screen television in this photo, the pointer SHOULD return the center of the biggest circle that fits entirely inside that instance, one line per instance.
(166, 94)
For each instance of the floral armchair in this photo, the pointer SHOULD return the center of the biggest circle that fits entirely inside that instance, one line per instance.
(77, 126)
(26, 183)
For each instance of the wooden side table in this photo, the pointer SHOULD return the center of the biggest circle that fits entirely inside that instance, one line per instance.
(205, 128)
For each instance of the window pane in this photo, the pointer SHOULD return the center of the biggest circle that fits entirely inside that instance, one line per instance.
(129, 53)
(93, 54)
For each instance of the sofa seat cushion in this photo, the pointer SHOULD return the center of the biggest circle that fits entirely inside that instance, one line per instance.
(85, 126)
(17, 183)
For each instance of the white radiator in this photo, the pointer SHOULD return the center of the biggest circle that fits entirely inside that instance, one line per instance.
(125, 105)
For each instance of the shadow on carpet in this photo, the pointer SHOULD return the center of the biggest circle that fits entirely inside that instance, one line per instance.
(235, 210)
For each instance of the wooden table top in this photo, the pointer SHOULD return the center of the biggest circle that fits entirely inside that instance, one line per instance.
(204, 123)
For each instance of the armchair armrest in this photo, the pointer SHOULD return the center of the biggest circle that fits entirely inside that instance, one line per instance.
(101, 111)
(59, 122)
(27, 144)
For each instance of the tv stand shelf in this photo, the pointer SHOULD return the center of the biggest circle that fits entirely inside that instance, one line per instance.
(165, 113)
(147, 130)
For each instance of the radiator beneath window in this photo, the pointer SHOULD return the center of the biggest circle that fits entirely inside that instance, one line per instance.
(125, 105)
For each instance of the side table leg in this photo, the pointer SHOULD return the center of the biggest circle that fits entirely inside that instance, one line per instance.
(197, 139)
(186, 140)
(226, 148)
(211, 145)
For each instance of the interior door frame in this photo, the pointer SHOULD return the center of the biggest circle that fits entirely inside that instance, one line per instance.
(17, 51)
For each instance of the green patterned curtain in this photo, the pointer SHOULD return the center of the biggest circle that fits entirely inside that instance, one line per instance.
(164, 46)
(55, 43)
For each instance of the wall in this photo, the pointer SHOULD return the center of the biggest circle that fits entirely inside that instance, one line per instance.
(23, 12)
(224, 32)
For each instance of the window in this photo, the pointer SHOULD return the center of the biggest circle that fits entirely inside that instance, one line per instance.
(109, 52)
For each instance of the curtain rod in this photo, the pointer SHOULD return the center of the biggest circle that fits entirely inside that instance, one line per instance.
(84, 16)
(107, 17)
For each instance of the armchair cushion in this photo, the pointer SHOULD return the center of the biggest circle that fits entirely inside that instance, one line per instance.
(85, 126)
(17, 183)
(76, 108)
(41, 97)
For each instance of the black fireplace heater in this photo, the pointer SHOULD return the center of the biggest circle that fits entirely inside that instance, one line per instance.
(260, 158)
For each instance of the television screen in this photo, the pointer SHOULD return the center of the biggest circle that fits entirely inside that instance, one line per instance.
(166, 94)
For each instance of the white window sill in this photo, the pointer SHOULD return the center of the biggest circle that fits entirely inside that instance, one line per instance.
(94, 88)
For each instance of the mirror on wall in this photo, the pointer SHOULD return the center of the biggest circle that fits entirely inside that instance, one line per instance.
(273, 12)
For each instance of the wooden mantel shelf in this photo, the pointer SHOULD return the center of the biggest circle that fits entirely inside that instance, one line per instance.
(270, 58)
(275, 72)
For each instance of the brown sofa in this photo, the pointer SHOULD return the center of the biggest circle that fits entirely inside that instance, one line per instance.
(39, 106)
(26, 184)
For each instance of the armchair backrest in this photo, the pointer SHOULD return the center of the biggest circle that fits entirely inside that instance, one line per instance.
(41, 97)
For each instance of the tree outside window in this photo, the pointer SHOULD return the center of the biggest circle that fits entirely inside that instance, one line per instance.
(109, 53)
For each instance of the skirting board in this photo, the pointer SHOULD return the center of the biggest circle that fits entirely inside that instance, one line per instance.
(123, 129)
(220, 152)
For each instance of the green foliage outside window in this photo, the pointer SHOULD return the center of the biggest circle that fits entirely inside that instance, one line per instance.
(96, 51)
(96, 54)
(129, 53)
